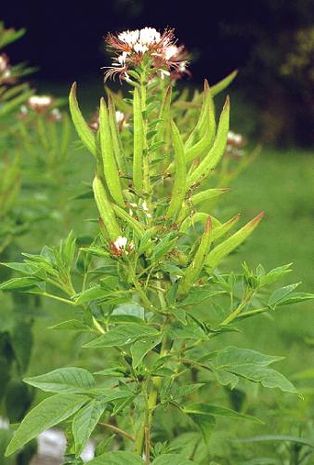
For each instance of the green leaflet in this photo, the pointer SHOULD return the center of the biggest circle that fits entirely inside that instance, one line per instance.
(105, 209)
(85, 421)
(138, 147)
(223, 249)
(141, 348)
(117, 458)
(172, 459)
(194, 269)
(111, 174)
(69, 379)
(233, 363)
(122, 335)
(203, 409)
(83, 130)
(45, 415)
(179, 186)
(214, 155)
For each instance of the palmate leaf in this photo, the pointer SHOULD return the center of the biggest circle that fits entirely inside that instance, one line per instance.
(45, 415)
(69, 379)
(117, 458)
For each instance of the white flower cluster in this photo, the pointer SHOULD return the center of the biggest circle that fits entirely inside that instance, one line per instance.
(121, 246)
(5, 70)
(41, 104)
(140, 40)
(130, 48)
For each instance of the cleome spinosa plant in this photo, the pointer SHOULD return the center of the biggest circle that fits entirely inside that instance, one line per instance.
(148, 290)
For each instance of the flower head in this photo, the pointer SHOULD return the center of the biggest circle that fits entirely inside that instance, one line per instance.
(131, 48)
(40, 103)
(6, 76)
(121, 246)
(235, 143)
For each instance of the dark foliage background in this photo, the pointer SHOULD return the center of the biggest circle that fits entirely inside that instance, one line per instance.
(270, 41)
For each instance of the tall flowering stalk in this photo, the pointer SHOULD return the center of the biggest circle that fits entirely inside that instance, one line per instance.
(143, 284)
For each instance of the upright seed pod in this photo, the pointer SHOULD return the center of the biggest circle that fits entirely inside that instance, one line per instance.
(225, 227)
(138, 146)
(194, 269)
(179, 186)
(105, 209)
(83, 130)
(164, 116)
(111, 173)
(221, 85)
(206, 123)
(197, 198)
(225, 248)
(217, 150)
(116, 139)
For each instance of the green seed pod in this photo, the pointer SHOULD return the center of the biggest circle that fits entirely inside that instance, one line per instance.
(224, 83)
(115, 136)
(138, 147)
(208, 194)
(198, 198)
(198, 217)
(223, 249)
(225, 227)
(111, 173)
(132, 222)
(194, 269)
(179, 186)
(164, 116)
(105, 209)
(206, 124)
(83, 130)
(217, 150)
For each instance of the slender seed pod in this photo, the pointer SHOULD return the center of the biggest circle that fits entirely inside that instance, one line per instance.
(111, 173)
(194, 269)
(224, 83)
(225, 227)
(200, 197)
(179, 186)
(105, 209)
(218, 253)
(206, 124)
(164, 116)
(132, 222)
(208, 194)
(217, 150)
(138, 147)
(197, 218)
(115, 136)
(83, 130)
